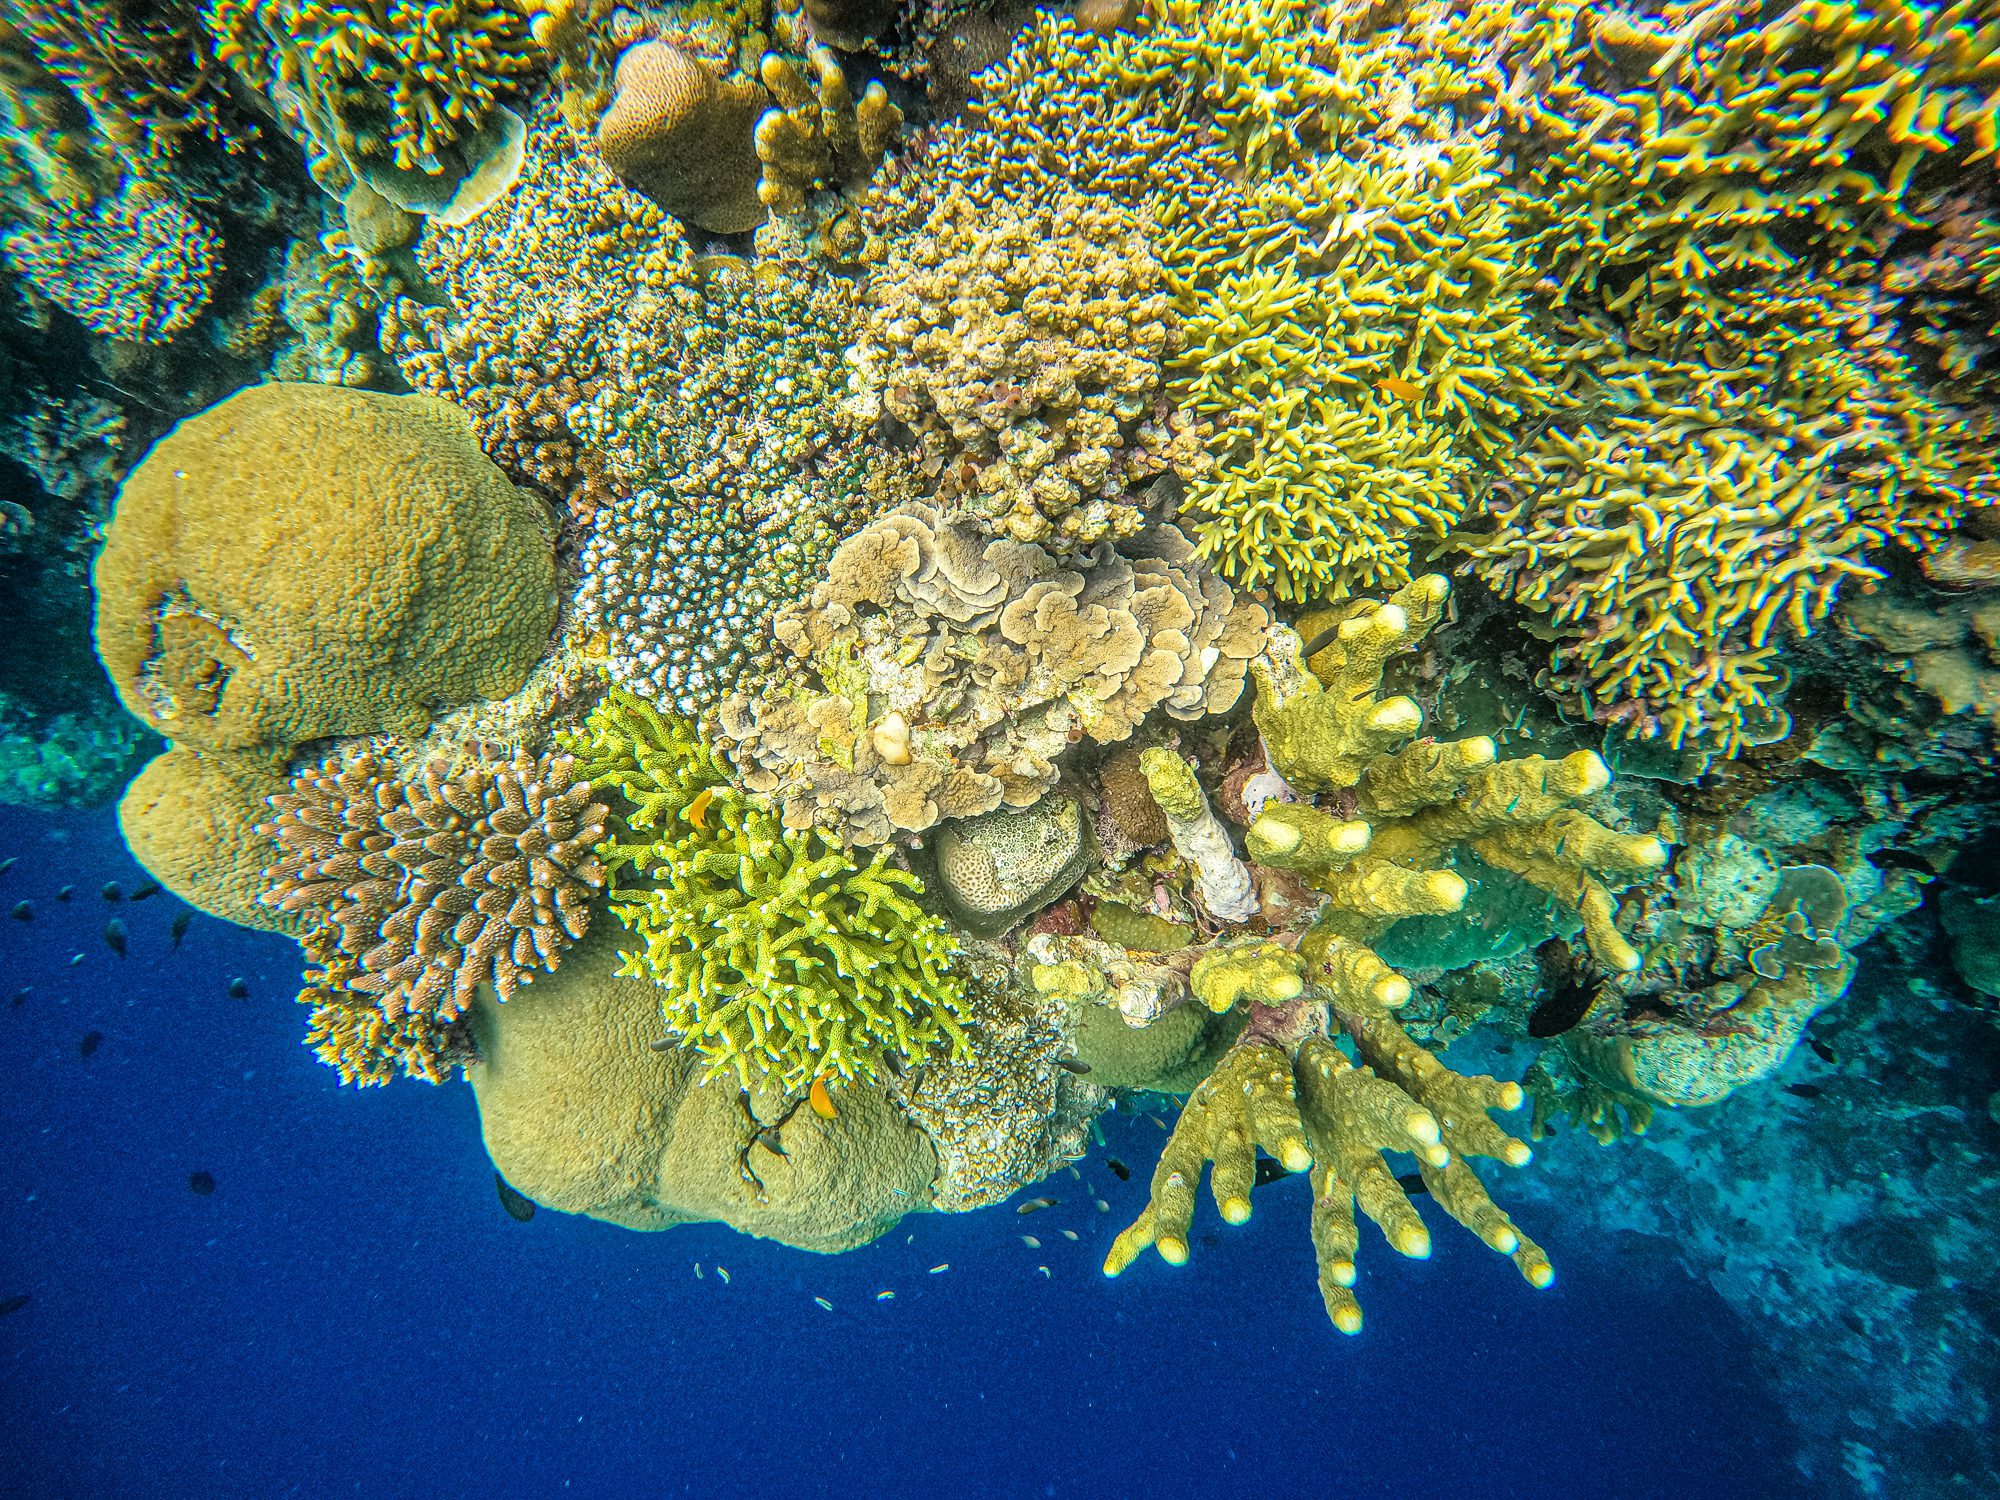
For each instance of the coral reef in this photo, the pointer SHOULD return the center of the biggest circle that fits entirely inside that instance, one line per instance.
(1002, 866)
(777, 955)
(304, 561)
(474, 873)
(134, 267)
(937, 674)
(193, 819)
(818, 136)
(682, 136)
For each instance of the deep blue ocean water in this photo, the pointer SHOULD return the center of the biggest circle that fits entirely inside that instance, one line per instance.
(350, 1312)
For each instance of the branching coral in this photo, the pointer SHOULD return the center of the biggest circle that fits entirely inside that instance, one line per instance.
(470, 874)
(1024, 347)
(353, 1034)
(137, 267)
(1286, 1085)
(819, 136)
(777, 953)
(939, 673)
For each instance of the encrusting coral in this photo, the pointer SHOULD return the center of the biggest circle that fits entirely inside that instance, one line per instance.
(1402, 807)
(938, 673)
(777, 954)
(474, 873)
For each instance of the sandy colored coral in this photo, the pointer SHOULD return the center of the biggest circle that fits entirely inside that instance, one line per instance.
(1001, 867)
(683, 136)
(581, 1112)
(1024, 346)
(303, 561)
(997, 656)
(191, 818)
(476, 872)
(137, 267)
(819, 136)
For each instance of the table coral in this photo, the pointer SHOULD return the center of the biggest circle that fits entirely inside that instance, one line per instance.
(777, 953)
(302, 561)
(474, 873)
(997, 658)
(1024, 347)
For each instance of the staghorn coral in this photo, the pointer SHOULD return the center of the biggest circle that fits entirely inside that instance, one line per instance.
(303, 561)
(1024, 348)
(474, 873)
(776, 954)
(1402, 807)
(140, 266)
(991, 656)
(682, 136)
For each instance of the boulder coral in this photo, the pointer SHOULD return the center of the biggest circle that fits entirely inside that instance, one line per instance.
(684, 137)
(191, 818)
(304, 561)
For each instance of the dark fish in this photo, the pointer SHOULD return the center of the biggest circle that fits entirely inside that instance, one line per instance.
(1268, 1171)
(92, 1040)
(114, 936)
(1413, 1183)
(1074, 1065)
(1118, 1169)
(889, 1060)
(662, 1044)
(201, 1184)
(771, 1141)
(1035, 1205)
(8, 863)
(1820, 1050)
(65, 893)
(517, 1206)
(20, 996)
(13, 1304)
(183, 920)
(24, 911)
(1568, 990)
(147, 891)
(1806, 1090)
(239, 988)
(112, 891)
(1901, 859)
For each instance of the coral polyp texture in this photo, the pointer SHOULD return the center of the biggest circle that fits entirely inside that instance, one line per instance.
(479, 873)
(778, 953)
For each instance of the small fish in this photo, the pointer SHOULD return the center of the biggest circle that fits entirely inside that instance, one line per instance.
(885, 1296)
(1103, 1207)
(723, 1272)
(889, 1061)
(24, 911)
(92, 1040)
(146, 891)
(1074, 1065)
(1806, 1090)
(77, 958)
(1046, 1272)
(1413, 1183)
(771, 1141)
(112, 891)
(1070, 1235)
(20, 997)
(697, 810)
(935, 1269)
(518, 1207)
(1031, 1242)
(697, 1272)
(1401, 389)
(8, 863)
(13, 1304)
(1157, 1121)
(821, 1100)
(239, 988)
(114, 936)
(201, 1184)
(1076, 1174)
(1036, 1205)
(824, 1303)
(1118, 1169)
(1569, 989)
(1820, 1050)
(182, 921)
(65, 893)
(661, 1044)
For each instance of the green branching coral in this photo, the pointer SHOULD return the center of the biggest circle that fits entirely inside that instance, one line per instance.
(778, 954)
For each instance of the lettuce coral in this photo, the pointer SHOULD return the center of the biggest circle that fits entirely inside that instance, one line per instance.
(777, 954)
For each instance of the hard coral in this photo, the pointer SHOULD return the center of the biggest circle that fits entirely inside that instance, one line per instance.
(302, 561)
(682, 136)
(470, 874)
(993, 657)
(819, 136)
(777, 954)
(191, 817)
(139, 267)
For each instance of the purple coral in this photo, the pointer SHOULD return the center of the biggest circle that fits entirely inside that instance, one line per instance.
(481, 872)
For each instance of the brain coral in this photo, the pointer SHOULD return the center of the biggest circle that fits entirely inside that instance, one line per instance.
(303, 561)
(939, 672)
(683, 137)
(191, 818)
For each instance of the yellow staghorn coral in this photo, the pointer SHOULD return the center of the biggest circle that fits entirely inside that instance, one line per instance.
(1399, 812)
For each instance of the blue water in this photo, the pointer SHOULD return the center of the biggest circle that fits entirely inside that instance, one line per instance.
(351, 1313)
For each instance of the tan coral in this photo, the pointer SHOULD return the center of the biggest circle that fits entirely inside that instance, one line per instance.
(191, 818)
(996, 656)
(819, 135)
(684, 137)
(303, 561)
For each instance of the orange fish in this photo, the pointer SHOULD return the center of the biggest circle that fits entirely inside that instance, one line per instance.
(1395, 385)
(698, 809)
(821, 1100)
